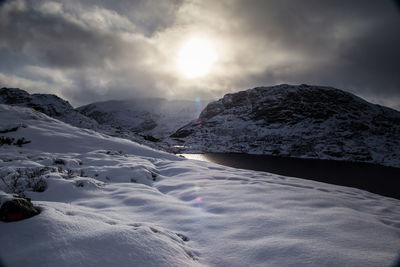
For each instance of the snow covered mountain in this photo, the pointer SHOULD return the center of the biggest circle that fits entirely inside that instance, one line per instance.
(151, 116)
(62, 110)
(107, 201)
(296, 121)
(48, 104)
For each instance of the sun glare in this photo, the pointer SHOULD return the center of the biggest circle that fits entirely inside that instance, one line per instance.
(196, 57)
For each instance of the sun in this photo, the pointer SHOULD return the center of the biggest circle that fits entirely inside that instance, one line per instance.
(196, 57)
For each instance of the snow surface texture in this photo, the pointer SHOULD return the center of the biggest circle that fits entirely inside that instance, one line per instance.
(112, 202)
(296, 121)
(153, 116)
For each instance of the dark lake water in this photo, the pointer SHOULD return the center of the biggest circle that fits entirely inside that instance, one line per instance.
(373, 178)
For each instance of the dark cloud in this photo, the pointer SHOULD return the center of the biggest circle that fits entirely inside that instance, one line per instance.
(150, 16)
(99, 52)
(344, 43)
(95, 50)
(56, 41)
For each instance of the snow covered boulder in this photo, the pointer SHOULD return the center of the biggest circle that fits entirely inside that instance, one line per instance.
(16, 208)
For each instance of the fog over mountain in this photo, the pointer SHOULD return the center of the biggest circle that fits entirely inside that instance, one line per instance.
(87, 51)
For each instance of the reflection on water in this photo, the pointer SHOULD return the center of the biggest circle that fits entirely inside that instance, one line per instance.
(374, 178)
(201, 157)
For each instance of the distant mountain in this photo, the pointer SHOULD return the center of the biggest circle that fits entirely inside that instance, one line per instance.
(296, 121)
(156, 117)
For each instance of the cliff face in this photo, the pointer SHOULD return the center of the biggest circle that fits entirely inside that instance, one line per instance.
(296, 121)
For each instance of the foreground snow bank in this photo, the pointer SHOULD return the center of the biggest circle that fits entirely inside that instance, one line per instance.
(111, 202)
(70, 235)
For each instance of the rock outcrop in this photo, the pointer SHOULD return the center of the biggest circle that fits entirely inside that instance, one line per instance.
(16, 208)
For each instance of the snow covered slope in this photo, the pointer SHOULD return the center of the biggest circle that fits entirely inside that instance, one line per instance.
(296, 121)
(153, 116)
(60, 109)
(111, 202)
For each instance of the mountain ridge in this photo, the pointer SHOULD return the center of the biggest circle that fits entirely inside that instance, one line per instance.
(49, 104)
(296, 121)
(285, 120)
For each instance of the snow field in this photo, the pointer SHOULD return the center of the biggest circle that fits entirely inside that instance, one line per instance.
(112, 202)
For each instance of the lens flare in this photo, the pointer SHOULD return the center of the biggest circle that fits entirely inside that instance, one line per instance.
(197, 103)
(199, 200)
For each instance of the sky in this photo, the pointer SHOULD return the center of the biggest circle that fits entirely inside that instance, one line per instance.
(87, 51)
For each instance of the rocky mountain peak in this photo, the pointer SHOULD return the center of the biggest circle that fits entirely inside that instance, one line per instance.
(295, 102)
(296, 121)
(49, 104)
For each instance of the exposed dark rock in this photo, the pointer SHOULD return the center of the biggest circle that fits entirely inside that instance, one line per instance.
(147, 125)
(21, 141)
(59, 161)
(4, 140)
(48, 104)
(17, 209)
(182, 133)
(183, 237)
(12, 129)
(13, 96)
(151, 138)
(39, 186)
(10, 141)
